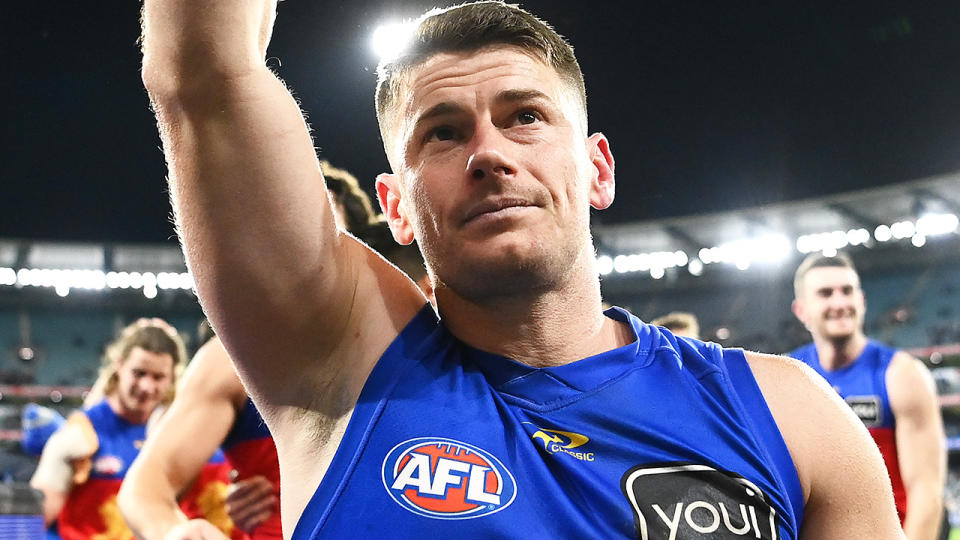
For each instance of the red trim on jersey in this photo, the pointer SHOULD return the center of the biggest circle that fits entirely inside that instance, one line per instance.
(91, 509)
(887, 442)
(259, 457)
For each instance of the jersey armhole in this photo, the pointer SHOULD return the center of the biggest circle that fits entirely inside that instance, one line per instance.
(370, 404)
(756, 413)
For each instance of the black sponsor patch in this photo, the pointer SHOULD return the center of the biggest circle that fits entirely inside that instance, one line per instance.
(686, 501)
(867, 409)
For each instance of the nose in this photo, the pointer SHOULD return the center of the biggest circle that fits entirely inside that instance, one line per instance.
(489, 156)
(838, 300)
(146, 386)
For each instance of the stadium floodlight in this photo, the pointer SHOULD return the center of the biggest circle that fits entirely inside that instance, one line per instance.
(882, 233)
(657, 272)
(856, 237)
(918, 240)
(604, 265)
(63, 281)
(706, 255)
(8, 276)
(620, 264)
(392, 39)
(903, 229)
(680, 258)
(695, 267)
(937, 224)
(770, 248)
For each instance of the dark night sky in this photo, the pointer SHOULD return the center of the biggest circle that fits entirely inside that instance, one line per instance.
(709, 106)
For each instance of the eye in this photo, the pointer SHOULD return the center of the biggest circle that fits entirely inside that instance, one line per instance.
(527, 117)
(441, 133)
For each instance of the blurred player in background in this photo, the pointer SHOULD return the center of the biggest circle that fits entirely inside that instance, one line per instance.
(680, 323)
(889, 390)
(213, 410)
(84, 462)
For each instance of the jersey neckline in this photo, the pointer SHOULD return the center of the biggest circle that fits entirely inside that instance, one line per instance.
(557, 384)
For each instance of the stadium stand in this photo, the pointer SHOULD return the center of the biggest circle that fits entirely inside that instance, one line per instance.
(733, 270)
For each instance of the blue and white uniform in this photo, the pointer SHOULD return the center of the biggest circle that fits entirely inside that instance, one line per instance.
(662, 438)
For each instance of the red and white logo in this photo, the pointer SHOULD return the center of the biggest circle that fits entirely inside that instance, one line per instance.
(447, 479)
(107, 465)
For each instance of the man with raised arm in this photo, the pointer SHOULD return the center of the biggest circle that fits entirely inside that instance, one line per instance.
(519, 408)
(889, 390)
(214, 411)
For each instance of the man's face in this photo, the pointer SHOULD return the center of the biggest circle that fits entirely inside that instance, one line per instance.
(831, 304)
(143, 380)
(497, 173)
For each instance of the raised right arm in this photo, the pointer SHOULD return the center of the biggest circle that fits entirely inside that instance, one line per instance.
(285, 289)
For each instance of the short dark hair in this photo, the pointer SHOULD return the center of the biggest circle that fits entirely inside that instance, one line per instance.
(357, 209)
(819, 260)
(470, 28)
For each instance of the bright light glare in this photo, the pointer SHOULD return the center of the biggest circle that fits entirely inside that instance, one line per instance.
(695, 267)
(934, 224)
(604, 265)
(391, 40)
(882, 233)
(8, 276)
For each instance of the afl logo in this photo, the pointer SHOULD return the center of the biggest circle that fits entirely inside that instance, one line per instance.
(447, 479)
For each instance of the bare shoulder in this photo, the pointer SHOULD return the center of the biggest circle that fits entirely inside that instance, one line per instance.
(80, 435)
(909, 384)
(797, 397)
(840, 469)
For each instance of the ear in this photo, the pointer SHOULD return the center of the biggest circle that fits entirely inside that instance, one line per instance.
(602, 184)
(388, 194)
(797, 308)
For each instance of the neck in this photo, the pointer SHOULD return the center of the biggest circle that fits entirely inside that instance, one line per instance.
(839, 352)
(541, 329)
(133, 417)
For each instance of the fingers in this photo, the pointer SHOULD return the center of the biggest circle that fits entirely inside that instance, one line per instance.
(250, 502)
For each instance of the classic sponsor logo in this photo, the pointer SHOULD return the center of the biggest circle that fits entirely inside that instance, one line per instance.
(867, 409)
(447, 479)
(564, 442)
(107, 465)
(684, 501)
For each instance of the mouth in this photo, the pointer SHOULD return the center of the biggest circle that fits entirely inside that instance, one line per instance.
(496, 207)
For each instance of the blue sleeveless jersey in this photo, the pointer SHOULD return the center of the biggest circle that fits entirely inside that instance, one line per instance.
(248, 425)
(661, 438)
(119, 442)
(863, 385)
(91, 509)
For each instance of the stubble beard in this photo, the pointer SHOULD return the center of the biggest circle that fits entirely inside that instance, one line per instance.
(514, 276)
